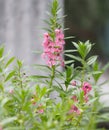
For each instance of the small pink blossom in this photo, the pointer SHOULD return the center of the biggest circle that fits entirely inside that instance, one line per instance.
(33, 101)
(74, 109)
(74, 98)
(86, 88)
(41, 111)
(11, 91)
(73, 83)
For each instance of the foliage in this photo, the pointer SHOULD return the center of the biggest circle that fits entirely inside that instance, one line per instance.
(27, 102)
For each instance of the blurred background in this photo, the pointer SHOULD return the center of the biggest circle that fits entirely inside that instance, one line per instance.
(89, 20)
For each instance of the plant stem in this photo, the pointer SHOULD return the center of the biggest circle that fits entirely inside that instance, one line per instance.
(52, 76)
(79, 120)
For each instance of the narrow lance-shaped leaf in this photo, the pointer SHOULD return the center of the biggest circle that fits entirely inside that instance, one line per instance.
(9, 62)
(8, 120)
(74, 57)
(10, 75)
(1, 51)
(91, 60)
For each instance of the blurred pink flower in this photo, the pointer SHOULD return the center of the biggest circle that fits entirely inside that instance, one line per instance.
(33, 101)
(11, 91)
(73, 83)
(74, 109)
(86, 88)
(41, 111)
(1, 128)
(74, 98)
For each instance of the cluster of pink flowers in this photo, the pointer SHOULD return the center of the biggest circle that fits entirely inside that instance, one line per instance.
(53, 48)
(86, 88)
(34, 101)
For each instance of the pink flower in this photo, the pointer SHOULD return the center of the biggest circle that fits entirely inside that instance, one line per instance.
(74, 98)
(59, 36)
(1, 128)
(41, 111)
(86, 88)
(11, 91)
(53, 49)
(33, 101)
(74, 109)
(73, 83)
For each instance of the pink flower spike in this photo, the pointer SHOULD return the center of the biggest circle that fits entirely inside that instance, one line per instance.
(53, 49)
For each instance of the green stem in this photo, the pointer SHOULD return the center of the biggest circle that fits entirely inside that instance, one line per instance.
(92, 123)
(52, 76)
(83, 72)
(19, 74)
(79, 120)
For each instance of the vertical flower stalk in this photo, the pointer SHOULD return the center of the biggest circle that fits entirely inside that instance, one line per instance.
(53, 51)
(53, 44)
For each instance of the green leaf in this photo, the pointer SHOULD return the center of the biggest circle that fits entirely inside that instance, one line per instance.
(83, 48)
(10, 75)
(69, 62)
(69, 37)
(70, 51)
(96, 72)
(14, 128)
(105, 67)
(9, 62)
(88, 46)
(74, 57)
(91, 60)
(8, 120)
(38, 77)
(19, 63)
(1, 87)
(43, 91)
(96, 66)
(92, 100)
(1, 51)
(76, 45)
(5, 101)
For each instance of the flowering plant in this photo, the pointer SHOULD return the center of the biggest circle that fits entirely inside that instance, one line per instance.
(65, 99)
